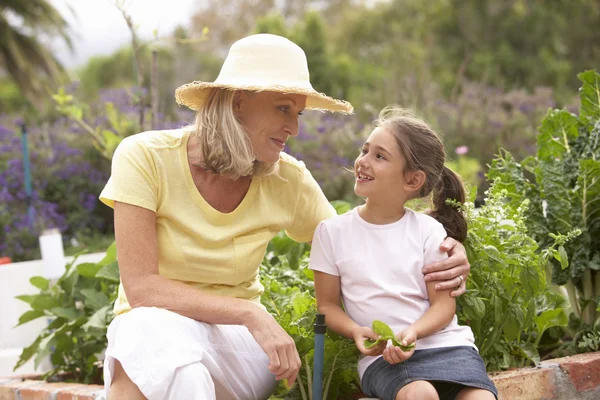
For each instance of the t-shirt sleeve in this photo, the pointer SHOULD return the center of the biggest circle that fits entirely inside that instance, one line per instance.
(433, 240)
(133, 178)
(321, 252)
(312, 207)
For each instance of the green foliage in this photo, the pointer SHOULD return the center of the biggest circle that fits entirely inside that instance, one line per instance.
(289, 297)
(385, 333)
(590, 341)
(508, 306)
(563, 185)
(78, 308)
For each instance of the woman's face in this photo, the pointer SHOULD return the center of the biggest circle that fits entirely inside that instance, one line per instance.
(269, 118)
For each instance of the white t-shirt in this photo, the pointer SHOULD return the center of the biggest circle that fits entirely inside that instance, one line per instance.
(380, 272)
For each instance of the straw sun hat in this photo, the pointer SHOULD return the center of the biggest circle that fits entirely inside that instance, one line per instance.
(263, 62)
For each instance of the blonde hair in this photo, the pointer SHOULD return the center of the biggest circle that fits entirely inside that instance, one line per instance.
(224, 146)
(423, 150)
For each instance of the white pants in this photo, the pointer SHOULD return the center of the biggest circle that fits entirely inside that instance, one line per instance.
(169, 356)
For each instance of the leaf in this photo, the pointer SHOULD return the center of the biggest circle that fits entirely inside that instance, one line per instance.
(40, 301)
(94, 298)
(590, 95)
(558, 129)
(44, 349)
(89, 270)
(40, 282)
(531, 352)
(382, 329)
(26, 298)
(66, 313)
(30, 316)
(28, 352)
(564, 258)
(370, 343)
(111, 255)
(98, 319)
(111, 140)
(550, 318)
(110, 272)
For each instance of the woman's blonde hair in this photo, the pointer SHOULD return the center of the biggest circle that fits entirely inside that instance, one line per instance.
(224, 145)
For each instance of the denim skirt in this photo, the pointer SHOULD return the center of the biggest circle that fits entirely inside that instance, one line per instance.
(448, 369)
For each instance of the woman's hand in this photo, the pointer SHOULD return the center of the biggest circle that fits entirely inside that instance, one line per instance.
(451, 272)
(280, 347)
(362, 333)
(394, 354)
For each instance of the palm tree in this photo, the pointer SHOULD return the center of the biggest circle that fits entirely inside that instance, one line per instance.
(24, 57)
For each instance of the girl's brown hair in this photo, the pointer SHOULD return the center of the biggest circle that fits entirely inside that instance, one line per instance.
(423, 150)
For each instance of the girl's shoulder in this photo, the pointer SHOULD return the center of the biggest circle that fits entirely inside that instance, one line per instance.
(341, 221)
(425, 222)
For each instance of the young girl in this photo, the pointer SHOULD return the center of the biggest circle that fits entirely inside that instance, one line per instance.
(371, 258)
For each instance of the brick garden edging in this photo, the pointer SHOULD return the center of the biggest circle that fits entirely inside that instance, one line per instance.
(568, 378)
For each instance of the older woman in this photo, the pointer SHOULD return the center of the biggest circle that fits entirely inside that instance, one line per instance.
(194, 211)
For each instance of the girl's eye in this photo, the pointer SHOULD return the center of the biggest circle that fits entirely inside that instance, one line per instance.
(363, 151)
(284, 109)
(380, 156)
(300, 113)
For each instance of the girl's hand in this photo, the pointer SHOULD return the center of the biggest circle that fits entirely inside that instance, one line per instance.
(450, 271)
(394, 354)
(360, 334)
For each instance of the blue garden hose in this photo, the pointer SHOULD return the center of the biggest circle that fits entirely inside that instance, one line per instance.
(320, 328)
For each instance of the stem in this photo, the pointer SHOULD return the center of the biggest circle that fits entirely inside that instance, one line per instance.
(154, 89)
(589, 312)
(330, 377)
(572, 295)
(308, 376)
(301, 386)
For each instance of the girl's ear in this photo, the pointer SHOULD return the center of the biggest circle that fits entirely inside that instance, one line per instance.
(414, 180)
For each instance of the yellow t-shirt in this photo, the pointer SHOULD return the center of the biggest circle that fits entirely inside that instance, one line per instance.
(219, 253)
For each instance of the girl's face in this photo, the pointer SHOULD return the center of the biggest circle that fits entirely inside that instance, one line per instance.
(379, 168)
(270, 118)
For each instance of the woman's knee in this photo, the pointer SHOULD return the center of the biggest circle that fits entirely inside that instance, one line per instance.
(122, 387)
(418, 390)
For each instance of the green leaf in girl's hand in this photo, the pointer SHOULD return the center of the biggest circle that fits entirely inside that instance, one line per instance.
(370, 343)
(382, 329)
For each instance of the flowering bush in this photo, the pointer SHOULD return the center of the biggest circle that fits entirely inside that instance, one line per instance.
(65, 187)
(68, 169)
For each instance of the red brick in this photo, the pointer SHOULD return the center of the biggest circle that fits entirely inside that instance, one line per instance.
(583, 370)
(45, 390)
(526, 384)
(83, 393)
(8, 391)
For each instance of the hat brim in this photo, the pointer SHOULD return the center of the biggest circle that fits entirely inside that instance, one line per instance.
(194, 94)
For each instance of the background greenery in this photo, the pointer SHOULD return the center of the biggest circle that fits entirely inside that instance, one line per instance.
(499, 80)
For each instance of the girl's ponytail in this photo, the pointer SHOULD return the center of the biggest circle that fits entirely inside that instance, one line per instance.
(449, 187)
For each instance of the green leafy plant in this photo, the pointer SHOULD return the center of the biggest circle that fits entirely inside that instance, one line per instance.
(289, 297)
(507, 306)
(590, 341)
(79, 308)
(562, 183)
(386, 333)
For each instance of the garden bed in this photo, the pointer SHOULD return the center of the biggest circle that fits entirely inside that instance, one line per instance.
(568, 378)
